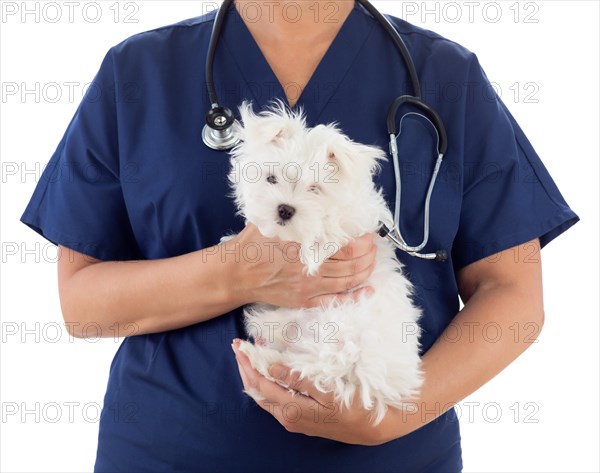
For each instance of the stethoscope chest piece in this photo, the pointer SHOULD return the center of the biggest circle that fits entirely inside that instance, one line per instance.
(218, 133)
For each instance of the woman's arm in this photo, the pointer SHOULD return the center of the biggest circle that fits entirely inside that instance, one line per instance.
(501, 293)
(503, 315)
(103, 299)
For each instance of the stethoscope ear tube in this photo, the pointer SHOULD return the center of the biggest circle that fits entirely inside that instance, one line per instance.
(218, 132)
(397, 39)
(212, 48)
(429, 113)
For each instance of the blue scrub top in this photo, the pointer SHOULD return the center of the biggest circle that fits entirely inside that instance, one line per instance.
(132, 179)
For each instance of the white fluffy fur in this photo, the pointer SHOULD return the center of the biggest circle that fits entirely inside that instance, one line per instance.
(368, 348)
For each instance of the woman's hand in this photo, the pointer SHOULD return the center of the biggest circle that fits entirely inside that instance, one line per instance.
(270, 271)
(316, 414)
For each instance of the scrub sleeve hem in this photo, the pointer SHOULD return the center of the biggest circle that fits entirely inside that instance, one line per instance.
(546, 232)
(75, 243)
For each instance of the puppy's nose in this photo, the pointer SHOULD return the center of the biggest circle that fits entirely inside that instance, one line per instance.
(286, 211)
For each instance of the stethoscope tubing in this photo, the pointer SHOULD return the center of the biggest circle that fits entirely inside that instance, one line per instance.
(218, 131)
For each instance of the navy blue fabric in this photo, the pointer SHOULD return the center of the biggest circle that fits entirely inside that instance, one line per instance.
(132, 179)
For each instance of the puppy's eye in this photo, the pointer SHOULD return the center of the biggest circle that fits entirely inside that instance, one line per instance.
(271, 179)
(314, 189)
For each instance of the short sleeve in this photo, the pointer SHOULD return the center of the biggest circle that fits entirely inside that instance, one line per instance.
(78, 201)
(509, 197)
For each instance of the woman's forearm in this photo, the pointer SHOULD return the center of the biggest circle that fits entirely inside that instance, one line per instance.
(106, 299)
(497, 324)
(503, 314)
(495, 327)
(131, 298)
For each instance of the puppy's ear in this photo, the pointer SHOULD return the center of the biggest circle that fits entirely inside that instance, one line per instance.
(281, 123)
(273, 125)
(249, 121)
(352, 157)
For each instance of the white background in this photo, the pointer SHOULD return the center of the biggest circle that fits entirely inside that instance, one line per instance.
(540, 414)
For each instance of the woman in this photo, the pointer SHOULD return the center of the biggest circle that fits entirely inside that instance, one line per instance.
(140, 215)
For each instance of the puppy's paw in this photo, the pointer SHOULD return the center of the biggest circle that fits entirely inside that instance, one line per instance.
(247, 349)
(255, 355)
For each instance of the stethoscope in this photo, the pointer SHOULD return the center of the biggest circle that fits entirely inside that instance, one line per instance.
(218, 133)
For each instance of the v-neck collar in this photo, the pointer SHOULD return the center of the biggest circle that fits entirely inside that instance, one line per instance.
(262, 83)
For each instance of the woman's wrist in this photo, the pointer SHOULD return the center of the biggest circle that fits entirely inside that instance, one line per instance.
(233, 268)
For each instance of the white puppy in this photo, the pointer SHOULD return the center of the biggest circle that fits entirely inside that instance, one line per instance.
(314, 187)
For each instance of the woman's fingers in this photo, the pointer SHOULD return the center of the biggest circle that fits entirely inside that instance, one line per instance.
(274, 397)
(341, 289)
(357, 247)
(335, 268)
(287, 380)
(241, 366)
(279, 278)
(255, 384)
(302, 385)
(344, 283)
(327, 299)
